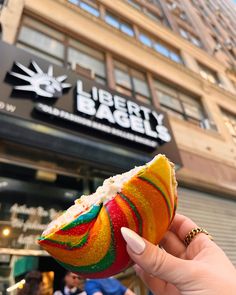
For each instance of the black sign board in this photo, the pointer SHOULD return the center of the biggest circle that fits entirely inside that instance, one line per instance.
(35, 90)
(26, 210)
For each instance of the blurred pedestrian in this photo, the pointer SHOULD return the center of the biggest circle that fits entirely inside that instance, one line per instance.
(73, 285)
(108, 286)
(33, 283)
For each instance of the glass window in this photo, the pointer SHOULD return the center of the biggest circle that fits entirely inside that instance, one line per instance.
(76, 2)
(122, 78)
(127, 29)
(43, 28)
(180, 104)
(175, 57)
(40, 54)
(169, 101)
(112, 20)
(134, 4)
(191, 106)
(118, 24)
(153, 15)
(131, 82)
(183, 33)
(88, 5)
(140, 84)
(161, 49)
(145, 40)
(230, 123)
(89, 8)
(208, 74)
(196, 41)
(40, 44)
(84, 59)
(183, 16)
(41, 41)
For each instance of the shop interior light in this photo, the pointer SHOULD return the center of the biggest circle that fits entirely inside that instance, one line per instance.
(6, 232)
(18, 285)
(3, 184)
(46, 175)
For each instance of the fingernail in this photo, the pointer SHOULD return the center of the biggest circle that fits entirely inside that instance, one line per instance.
(134, 241)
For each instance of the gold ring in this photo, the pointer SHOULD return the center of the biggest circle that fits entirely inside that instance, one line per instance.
(190, 236)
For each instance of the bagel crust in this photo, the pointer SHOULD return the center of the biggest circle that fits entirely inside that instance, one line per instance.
(89, 242)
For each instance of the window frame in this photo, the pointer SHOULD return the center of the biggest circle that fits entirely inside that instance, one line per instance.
(133, 92)
(203, 69)
(64, 41)
(18, 41)
(93, 4)
(177, 97)
(230, 116)
(154, 43)
(190, 37)
(121, 22)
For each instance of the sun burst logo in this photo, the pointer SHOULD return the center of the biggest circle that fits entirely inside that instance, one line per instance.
(42, 84)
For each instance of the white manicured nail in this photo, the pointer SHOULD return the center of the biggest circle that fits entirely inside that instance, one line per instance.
(133, 240)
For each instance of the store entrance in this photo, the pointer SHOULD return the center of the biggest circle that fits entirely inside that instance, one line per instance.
(35, 187)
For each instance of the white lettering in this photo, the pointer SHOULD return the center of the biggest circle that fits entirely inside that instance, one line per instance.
(95, 93)
(105, 97)
(146, 112)
(27, 240)
(136, 124)
(80, 89)
(104, 112)
(86, 105)
(121, 119)
(2, 105)
(163, 133)
(148, 129)
(133, 108)
(120, 103)
(10, 108)
(159, 117)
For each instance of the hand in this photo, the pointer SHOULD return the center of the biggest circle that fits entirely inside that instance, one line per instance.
(202, 268)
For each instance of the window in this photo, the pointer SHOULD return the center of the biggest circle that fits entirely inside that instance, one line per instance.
(181, 105)
(153, 11)
(230, 122)
(209, 74)
(154, 16)
(131, 82)
(40, 43)
(135, 4)
(87, 57)
(190, 37)
(145, 40)
(87, 5)
(183, 16)
(49, 44)
(160, 47)
(118, 24)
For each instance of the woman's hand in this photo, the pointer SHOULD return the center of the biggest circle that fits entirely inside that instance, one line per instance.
(201, 268)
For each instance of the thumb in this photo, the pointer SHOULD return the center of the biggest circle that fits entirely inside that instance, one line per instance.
(155, 261)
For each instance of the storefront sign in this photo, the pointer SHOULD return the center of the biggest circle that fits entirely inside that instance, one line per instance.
(25, 225)
(36, 90)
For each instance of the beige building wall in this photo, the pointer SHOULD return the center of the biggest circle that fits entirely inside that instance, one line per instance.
(215, 147)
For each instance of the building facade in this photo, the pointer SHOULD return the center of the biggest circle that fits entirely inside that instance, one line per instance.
(176, 56)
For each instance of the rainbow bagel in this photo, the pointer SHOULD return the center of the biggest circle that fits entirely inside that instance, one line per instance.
(86, 239)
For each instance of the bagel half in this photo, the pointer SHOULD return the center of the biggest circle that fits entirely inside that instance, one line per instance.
(86, 239)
